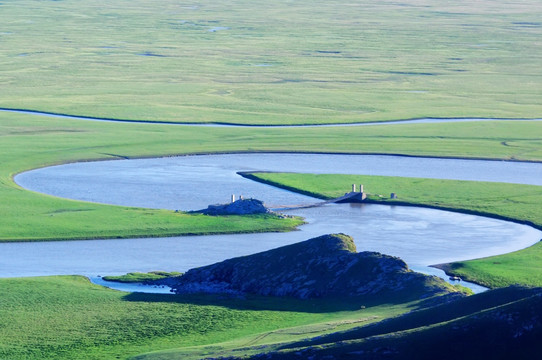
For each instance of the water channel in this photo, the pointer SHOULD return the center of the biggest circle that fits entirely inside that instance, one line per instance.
(419, 236)
(409, 121)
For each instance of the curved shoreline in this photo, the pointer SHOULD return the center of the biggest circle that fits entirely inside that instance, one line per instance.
(150, 236)
(241, 152)
(447, 267)
(248, 175)
(241, 125)
(344, 153)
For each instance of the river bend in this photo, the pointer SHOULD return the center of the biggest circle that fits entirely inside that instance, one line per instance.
(419, 236)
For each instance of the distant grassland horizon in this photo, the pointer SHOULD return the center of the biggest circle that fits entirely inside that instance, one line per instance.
(280, 62)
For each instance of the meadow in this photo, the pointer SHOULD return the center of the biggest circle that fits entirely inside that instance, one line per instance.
(519, 203)
(242, 62)
(67, 317)
(283, 62)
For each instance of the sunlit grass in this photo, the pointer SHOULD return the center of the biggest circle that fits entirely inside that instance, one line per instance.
(69, 318)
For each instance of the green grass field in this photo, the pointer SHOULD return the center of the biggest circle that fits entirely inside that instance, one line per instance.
(69, 318)
(520, 203)
(272, 63)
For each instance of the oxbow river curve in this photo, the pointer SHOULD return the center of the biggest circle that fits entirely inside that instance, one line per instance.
(420, 236)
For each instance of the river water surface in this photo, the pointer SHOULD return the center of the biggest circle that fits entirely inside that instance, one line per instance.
(419, 236)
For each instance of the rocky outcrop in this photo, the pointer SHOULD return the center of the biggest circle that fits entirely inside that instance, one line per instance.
(239, 207)
(326, 266)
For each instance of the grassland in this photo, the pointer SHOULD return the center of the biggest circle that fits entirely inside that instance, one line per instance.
(283, 62)
(248, 62)
(30, 142)
(70, 318)
(520, 203)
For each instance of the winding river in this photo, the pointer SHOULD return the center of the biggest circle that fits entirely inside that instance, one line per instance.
(409, 121)
(420, 236)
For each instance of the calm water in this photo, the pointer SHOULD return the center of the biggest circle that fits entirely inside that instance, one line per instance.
(419, 236)
(193, 182)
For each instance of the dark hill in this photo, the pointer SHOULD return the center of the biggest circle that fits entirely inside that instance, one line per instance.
(498, 324)
(239, 207)
(326, 266)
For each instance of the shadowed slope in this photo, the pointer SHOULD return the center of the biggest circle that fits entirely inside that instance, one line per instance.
(326, 266)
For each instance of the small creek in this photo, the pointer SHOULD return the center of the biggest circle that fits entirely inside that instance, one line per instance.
(409, 121)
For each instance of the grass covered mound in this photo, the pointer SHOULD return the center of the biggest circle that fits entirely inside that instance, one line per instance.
(138, 277)
(326, 266)
(239, 207)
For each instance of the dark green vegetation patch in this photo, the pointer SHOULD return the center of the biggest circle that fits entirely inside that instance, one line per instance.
(500, 324)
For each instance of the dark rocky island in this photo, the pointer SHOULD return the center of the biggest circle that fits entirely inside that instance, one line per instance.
(326, 266)
(239, 207)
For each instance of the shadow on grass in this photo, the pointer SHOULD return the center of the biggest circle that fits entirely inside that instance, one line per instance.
(321, 305)
(470, 306)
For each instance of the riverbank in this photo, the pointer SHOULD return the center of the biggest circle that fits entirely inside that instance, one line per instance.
(501, 201)
(518, 203)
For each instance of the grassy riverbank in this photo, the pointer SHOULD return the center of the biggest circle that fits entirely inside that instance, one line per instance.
(257, 62)
(520, 203)
(68, 318)
(30, 142)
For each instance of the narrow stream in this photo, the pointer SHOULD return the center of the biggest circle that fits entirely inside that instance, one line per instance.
(409, 121)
